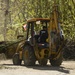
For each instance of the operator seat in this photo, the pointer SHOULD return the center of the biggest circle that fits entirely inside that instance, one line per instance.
(43, 35)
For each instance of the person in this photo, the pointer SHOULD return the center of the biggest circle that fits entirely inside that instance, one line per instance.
(43, 35)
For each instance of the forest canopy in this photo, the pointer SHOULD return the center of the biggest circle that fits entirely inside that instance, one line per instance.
(15, 13)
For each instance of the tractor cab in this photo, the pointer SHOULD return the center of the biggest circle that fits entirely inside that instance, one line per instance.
(37, 31)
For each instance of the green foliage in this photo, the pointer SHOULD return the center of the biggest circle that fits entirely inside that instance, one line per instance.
(22, 10)
(10, 35)
(1, 37)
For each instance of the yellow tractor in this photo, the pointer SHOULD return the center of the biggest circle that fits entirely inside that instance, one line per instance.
(44, 41)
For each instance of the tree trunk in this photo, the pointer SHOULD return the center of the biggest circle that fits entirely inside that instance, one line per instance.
(6, 18)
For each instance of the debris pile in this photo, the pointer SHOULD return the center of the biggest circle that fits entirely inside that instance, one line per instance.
(69, 50)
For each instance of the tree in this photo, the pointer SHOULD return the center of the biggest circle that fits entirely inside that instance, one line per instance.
(22, 10)
(6, 18)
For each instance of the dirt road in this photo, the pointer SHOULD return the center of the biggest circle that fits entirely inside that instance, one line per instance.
(7, 68)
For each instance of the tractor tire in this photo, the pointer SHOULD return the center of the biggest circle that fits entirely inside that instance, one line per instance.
(42, 62)
(28, 56)
(57, 62)
(16, 60)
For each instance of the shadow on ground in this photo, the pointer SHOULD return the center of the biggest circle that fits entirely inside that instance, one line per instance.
(48, 67)
(38, 67)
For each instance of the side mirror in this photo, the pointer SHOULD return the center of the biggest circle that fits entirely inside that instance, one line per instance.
(24, 27)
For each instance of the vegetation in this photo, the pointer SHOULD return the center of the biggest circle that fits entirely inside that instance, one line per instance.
(15, 13)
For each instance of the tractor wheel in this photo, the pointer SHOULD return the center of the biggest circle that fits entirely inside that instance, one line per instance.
(57, 62)
(16, 60)
(28, 56)
(43, 62)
